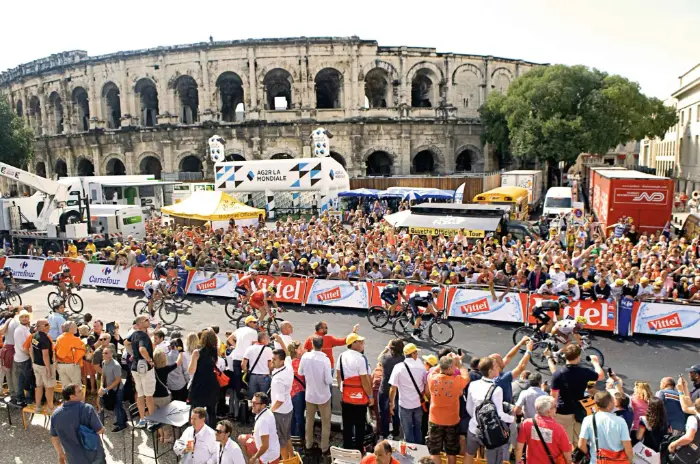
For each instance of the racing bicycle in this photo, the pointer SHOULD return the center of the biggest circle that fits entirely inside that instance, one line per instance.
(166, 312)
(73, 301)
(379, 316)
(10, 297)
(235, 306)
(176, 292)
(438, 328)
(550, 344)
(271, 324)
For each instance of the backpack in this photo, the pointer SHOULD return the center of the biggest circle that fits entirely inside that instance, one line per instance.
(490, 429)
(688, 454)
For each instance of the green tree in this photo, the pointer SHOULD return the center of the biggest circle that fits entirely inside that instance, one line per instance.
(16, 140)
(554, 113)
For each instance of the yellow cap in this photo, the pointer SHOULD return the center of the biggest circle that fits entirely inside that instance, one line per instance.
(587, 284)
(118, 244)
(430, 359)
(314, 252)
(409, 349)
(572, 281)
(262, 261)
(138, 252)
(276, 244)
(275, 261)
(353, 268)
(314, 265)
(406, 258)
(303, 260)
(397, 268)
(343, 268)
(435, 273)
(352, 338)
(250, 319)
(644, 280)
(548, 281)
(333, 261)
(619, 282)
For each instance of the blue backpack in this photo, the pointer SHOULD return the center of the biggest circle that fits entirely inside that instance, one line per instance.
(89, 439)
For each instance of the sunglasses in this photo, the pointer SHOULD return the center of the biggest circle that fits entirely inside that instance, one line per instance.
(220, 431)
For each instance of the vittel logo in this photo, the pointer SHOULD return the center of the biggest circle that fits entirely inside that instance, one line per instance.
(671, 321)
(207, 285)
(478, 306)
(332, 294)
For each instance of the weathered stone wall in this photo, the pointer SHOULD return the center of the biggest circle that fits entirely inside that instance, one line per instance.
(419, 100)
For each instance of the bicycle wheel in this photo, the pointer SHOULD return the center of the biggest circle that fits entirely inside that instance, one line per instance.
(231, 308)
(240, 322)
(273, 325)
(586, 357)
(167, 313)
(75, 303)
(53, 298)
(538, 359)
(140, 308)
(378, 316)
(178, 295)
(441, 331)
(402, 327)
(13, 298)
(521, 332)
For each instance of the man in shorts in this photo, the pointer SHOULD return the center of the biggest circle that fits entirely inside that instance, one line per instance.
(281, 400)
(142, 367)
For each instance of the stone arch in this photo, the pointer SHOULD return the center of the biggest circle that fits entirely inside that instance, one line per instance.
(270, 152)
(438, 160)
(40, 169)
(60, 168)
(501, 79)
(265, 70)
(234, 155)
(190, 163)
(329, 86)
(379, 64)
(114, 166)
(278, 83)
(35, 114)
(85, 167)
(380, 90)
(339, 158)
(365, 159)
(150, 164)
(106, 160)
(467, 81)
(476, 157)
(56, 112)
(468, 67)
(81, 106)
(111, 105)
(186, 91)
(425, 65)
(19, 109)
(426, 80)
(229, 94)
(147, 92)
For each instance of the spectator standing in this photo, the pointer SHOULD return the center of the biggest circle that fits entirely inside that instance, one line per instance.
(694, 372)
(69, 354)
(555, 439)
(142, 367)
(298, 393)
(281, 400)
(640, 401)
(263, 445)
(389, 358)
(198, 443)
(161, 395)
(204, 390)
(520, 385)
(525, 404)
(229, 452)
(177, 378)
(478, 391)
(569, 384)
(691, 428)
(241, 339)
(356, 388)
(329, 341)
(409, 379)
(611, 432)
(653, 426)
(8, 351)
(315, 366)
(536, 278)
(65, 423)
(56, 320)
(112, 390)
(43, 365)
(257, 363)
(22, 362)
(671, 398)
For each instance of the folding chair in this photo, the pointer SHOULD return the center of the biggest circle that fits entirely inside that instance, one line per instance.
(345, 456)
(134, 418)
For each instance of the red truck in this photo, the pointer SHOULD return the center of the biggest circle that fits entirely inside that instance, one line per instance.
(645, 198)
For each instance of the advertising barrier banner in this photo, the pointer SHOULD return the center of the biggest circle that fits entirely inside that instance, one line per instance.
(53, 267)
(377, 287)
(669, 320)
(601, 314)
(479, 304)
(341, 293)
(27, 269)
(138, 276)
(101, 275)
(212, 284)
(289, 289)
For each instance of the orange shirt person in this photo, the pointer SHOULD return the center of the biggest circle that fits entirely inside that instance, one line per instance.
(329, 341)
(69, 351)
(446, 387)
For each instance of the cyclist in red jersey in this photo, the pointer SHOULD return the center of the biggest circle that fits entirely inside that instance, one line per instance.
(246, 286)
(258, 300)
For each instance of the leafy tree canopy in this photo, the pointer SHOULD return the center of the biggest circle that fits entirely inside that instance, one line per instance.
(554, 113)
(16, 140)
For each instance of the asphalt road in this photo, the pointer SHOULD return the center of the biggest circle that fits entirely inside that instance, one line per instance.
(647, 359)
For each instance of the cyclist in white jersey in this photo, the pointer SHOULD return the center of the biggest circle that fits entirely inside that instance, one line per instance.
(154, 290)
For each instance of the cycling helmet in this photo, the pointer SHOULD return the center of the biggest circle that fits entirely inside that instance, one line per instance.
(563, 300)
(272, 289)
(65, 269)
(163, 281)
(581, 320)
(435, 290)
(171, 260)
(7, 268)
(402, 283)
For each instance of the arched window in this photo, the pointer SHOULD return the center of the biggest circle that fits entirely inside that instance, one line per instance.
(35, 114)
(329, 89)
(281, 156)
(85, 167)
(377, 87)
(379, 163)
(191, 164)
(423, 163)
(465, 160)
(230, 89)
(278, 89)
(235, 157)
(424, 89)
(82, 108)
(115, 167)
(151, 165)
(40, 169)
(148, 99)
(19, 108)
(61, 169)
(187, 94)
(56, 112)
(111, 102)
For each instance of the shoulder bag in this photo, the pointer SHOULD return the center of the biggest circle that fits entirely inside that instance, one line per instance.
(89, 439)
(604, 456)
(250, 371)
(352, 394)
(415, 385)
(560, 459)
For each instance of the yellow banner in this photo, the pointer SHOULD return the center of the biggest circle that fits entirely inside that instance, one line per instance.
(446, 232)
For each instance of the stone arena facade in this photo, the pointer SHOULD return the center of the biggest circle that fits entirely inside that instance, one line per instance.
(391, 110)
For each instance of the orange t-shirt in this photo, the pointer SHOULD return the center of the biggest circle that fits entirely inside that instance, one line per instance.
(445, 391)
(372, 459)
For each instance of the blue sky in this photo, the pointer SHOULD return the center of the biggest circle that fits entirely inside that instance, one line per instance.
(651, 42)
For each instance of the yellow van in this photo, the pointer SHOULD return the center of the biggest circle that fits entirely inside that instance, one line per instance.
(516, 197)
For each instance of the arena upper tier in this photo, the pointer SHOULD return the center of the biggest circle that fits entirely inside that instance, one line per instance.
(391, 110)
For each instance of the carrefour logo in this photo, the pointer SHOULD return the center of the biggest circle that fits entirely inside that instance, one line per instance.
(106, 271)
(24, 265)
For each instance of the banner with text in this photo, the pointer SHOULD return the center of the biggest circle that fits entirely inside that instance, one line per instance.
(601, 314)
(27, 269)
(338, 293)
(479, 304)
(53, 267)
(212, 283)
(377, 287)
(289, 289)
(102, 275)
(138, 277)
(668, 320)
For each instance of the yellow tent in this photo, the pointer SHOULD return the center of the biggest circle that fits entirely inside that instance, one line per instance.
(212, 206)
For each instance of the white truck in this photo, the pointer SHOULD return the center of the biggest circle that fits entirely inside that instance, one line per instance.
(527, 179)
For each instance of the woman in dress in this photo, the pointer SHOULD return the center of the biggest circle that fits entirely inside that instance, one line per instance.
(204, 389)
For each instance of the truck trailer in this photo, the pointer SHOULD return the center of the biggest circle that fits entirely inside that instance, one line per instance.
(531, 180)
(644, 198)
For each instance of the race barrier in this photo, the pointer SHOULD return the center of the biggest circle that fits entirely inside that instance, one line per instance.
(668, 319)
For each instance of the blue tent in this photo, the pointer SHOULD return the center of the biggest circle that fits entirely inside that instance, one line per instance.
(360, 193)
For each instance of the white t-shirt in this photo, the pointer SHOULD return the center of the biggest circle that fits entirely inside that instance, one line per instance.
(691, 423)
(251, 354)
(21, 334)
(408, 396)
(245, 336)
(287, 339)
(265, 424)
(281, 388)
(354, 364)
(566, 326)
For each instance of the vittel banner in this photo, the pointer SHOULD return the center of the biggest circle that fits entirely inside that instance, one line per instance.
(668, 320)
(100, 275)
(480, 304)
(601, 314)
(338, 293)
(26, 269)
(213, 284)
(289, 289)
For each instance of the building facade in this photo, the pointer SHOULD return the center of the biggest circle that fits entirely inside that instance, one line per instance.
(391, 110)
(677, 154)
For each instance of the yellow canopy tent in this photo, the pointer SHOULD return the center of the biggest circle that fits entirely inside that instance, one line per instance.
(213, 206)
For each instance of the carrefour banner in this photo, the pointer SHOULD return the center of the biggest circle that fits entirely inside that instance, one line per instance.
(338, 293)
(669, 320)
(27, 269)
(601, 314)
(212, 284)
(101, 275)
(480, 304)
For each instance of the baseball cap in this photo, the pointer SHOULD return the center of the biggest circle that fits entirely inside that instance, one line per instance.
(250, 319)
(409, 349)
(24, 312)
(572, 282)
(694, 368)
(430, 359)
(352, 338)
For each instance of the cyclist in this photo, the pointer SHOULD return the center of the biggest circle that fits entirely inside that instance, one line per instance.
(422, 299)
(564, 329)
(7, 278)
(246, 285)
(161, 270)
(63, 280)
(154, 290)
(544, 322)
(390, 296)
(258, 300)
